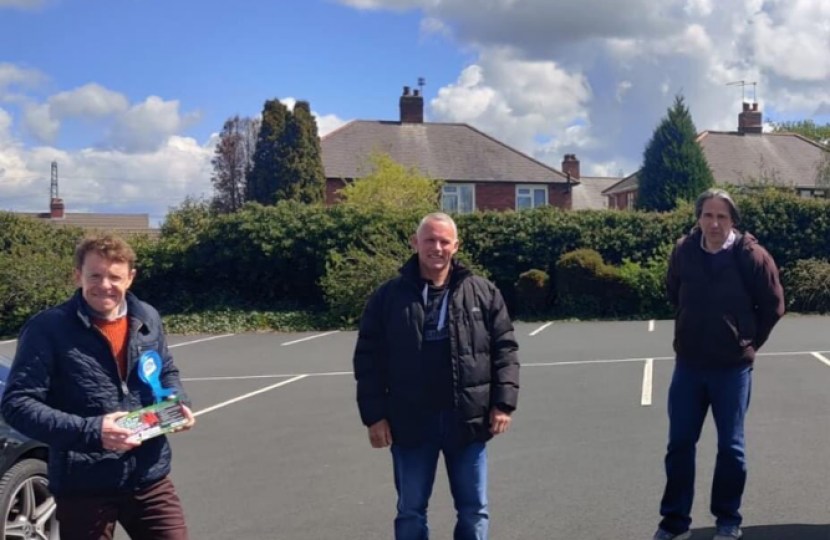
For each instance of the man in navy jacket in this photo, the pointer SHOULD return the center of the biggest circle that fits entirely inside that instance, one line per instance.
(74, 375)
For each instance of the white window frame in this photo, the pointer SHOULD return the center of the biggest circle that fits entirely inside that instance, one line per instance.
(458, 194)
(532, 188)
(629, 200)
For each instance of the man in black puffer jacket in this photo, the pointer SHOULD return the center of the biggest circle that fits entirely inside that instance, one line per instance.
(437, 372)
(74, 374)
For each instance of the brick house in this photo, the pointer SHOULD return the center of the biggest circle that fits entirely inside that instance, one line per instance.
(478, 171)
(749, 157)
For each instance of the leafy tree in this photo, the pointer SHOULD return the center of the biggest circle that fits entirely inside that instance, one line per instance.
(232, 162)
(391, 186)
(300, 164)
(261, 182)
(805, 128)
(674, 167)
(287, 161)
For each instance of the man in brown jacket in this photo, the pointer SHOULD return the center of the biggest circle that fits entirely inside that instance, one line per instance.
(726, 291)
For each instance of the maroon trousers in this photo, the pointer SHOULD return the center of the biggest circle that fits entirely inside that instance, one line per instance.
(154, 513)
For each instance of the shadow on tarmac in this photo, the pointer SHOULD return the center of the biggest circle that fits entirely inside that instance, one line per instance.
(774, 532)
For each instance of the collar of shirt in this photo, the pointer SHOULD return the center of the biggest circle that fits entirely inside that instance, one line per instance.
(730, 241)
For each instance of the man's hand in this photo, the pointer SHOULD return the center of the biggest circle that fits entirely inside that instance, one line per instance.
(380, 435)
(191, 420)
(115, 438)
(499, 421)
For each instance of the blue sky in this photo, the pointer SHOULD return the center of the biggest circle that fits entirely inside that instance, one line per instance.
(127, 96)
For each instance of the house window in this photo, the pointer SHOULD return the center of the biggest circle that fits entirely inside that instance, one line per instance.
(531, 197)
(629, 200)
(806, 193)
(459, 198)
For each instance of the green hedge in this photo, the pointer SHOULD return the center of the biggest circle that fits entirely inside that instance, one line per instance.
(289, 255)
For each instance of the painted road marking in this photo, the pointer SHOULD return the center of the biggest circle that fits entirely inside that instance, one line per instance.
(648, 373)
(308, 338)
(540, 329)
(199, 341)
(651, 325)
(821, 358)
(249, 395)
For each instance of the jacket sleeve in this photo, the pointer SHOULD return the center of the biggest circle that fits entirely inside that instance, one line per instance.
(25, 404)
(370, 363)
(767, 294)
(673, 278)
(503, 355)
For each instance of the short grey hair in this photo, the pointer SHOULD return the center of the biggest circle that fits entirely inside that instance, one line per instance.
(715, 193)
(440, 217)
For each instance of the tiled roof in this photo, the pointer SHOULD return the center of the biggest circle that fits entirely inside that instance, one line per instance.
(786, 158)
(123, 224)
(451, 152)
(626, 184)
(588, 195)
(736, 158)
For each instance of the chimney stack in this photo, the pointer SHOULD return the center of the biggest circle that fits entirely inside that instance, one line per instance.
(412, 107)
(570, 165)
(56, 208)
(750, 119)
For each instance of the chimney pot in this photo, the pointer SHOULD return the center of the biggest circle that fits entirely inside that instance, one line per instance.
(751, 119)
(406, 90)
(570, 166)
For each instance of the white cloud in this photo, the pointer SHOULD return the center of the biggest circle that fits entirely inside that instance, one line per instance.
(11, 74)
(94, 180)
(661, 47)
(91, 100)
(516, 99)
(144, 127)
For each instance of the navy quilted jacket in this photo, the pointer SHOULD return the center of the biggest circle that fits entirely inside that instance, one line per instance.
(64, 379)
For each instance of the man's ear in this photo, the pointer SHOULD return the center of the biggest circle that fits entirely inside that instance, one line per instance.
(413, 241)
(76, 275)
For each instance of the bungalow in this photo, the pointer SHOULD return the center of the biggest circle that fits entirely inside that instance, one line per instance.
(749, 157)
(478, 171)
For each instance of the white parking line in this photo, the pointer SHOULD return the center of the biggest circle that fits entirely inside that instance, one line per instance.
(648, 373)
(248, 395)
(651, 325)
(822, 358)
(273, 376)
(540, 329)
(199, 341)
(542, 364)
(310, 337)
(7, 342)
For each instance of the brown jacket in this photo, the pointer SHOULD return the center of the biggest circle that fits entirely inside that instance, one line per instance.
(723, 314)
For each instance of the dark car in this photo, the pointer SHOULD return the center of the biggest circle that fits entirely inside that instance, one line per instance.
(25, 501)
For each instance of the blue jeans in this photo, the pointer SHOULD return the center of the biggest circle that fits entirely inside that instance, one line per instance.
(693, 390)
(415, 474)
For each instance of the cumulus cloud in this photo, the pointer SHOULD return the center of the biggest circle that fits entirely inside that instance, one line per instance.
(520, 100)
(12, 75)
(95, 180)
(145, 126)
(632, 58)
(141, 127)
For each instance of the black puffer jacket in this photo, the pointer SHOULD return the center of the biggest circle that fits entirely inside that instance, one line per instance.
(64, 379)
(390, 373)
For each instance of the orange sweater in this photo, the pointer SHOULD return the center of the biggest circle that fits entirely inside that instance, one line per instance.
(117, 333)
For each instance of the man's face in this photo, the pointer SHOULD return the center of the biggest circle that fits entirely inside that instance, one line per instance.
(104, 283)
(436, 243)
(715, 222)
